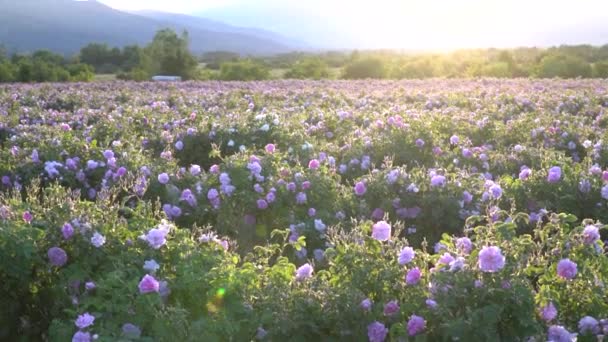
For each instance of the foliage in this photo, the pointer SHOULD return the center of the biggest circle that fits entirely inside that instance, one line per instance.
(170, 55)
(364, 68)
(167, 54)
(213, 293)
(7, 72)
(136, 74)
(106, 60)
(563, 66)
(233, 187)
(600, 69)
(309, 68)
(245, 70)
(43, 66)
(213, 60)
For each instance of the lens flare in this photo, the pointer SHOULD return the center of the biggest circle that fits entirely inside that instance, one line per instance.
(216, 304)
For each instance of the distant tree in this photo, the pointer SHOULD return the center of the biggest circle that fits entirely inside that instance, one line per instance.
(94, 54)
(600, 69)
(170, 54)
(24, 70)
(602, 53)
(43, 71)
(134, 57)
(366, 67)
(414, 68)
(49, 57)
(3, 53)
(506, 57)
(17, 57)
(565, 66)
(7, 72)
(63, 75)
(102, 58)
(135, 74)
(498, 69)
(115, 56)
(335, 59)
(80, 72)
(308, 68)
(244, 70)
(214, 59)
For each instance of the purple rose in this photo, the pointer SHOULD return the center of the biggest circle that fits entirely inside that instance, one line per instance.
(85, 320)
(491, 259)
(314, 164)
(163, 178)
(566, 269)
(148, 284)
(57, 256)
(262, 204)
(464, 245)
(27, 217)
(554, 175)
(81, 336)
(406, 255)
(377, 214)
(413, 276)
(360, 189)
(438, 181)
(391, 308)
(548, 312)
(67, 231)
(304, 272)
(415, 325)
(381, 231)
(376, 332)
(366, 304)
(591, 234)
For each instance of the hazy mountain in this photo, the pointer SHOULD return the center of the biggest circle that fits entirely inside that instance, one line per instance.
(421, 24)
(218, 26)
(65, 26)
(320, 29)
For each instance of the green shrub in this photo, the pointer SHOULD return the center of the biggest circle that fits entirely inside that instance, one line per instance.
(309, 68)
(563, 66)
(136, 74)
(600, 69)
(365, 68)
(245, 70)
(7, 72)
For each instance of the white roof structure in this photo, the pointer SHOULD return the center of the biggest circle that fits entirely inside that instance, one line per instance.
(162, 78)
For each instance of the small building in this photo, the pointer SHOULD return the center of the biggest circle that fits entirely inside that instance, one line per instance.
(161, 78)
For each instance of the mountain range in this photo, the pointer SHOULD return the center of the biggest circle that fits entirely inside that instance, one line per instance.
(64, 26)
(265, 27)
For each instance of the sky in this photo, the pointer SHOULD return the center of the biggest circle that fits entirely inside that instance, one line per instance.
(175, 6)
(419, 23)
(562, 9)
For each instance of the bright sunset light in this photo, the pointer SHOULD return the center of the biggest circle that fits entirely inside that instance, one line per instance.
(422, 24)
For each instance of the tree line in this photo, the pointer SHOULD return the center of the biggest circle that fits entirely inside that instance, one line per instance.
(583, 61)
(42, 66)
(169, 54)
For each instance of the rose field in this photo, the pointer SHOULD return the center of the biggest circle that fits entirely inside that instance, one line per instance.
(434, 210)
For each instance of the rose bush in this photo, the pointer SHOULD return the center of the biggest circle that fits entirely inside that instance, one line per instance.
(299, 210)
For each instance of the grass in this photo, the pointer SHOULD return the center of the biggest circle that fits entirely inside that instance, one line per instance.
(104, 77)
